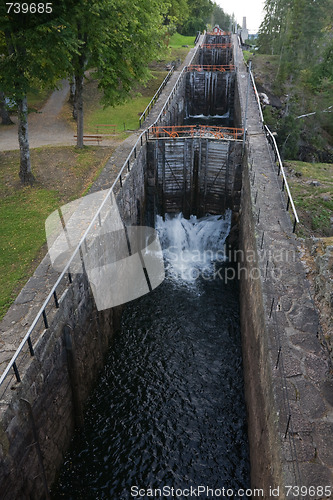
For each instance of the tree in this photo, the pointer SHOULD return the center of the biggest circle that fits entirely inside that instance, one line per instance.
(116, 39)
(219, 17)
(199, 16)
(35, 50)
(176, 15)
(4, 113)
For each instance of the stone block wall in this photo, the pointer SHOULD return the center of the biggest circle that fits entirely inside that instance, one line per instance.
(261, 408)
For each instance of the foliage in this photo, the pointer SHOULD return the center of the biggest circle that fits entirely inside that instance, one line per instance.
(314, 202)
(199, 15)
(299, 33)
(35, 51)
(176, 15)
(219, 17)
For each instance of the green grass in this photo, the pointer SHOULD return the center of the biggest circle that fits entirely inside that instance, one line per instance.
(22, 235)
(62, 174)
(177, 41)
(314, 204)
(125, 116)
(247, 55)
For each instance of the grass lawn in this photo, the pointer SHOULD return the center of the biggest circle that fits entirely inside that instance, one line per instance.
(314, 203)
(125, 116)
(63, 174)
(177, 41)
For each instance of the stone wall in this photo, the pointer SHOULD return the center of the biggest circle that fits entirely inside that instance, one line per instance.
(263, 430)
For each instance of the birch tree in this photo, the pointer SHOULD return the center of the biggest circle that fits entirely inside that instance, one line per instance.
(35, 49)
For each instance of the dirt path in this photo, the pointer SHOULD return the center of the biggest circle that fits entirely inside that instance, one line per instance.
(45, 126)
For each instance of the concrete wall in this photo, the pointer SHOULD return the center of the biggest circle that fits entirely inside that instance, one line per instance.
(263, 432)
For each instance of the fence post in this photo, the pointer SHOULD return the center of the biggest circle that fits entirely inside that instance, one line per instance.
(73, 375)
(38, 449)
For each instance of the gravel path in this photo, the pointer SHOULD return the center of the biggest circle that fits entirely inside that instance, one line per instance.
(45, 126)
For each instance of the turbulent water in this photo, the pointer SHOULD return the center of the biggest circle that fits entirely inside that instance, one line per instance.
(212, 120)
(169, 410)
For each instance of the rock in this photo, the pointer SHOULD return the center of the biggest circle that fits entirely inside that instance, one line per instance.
(264, 98)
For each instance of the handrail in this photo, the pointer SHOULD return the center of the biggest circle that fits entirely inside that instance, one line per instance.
(275, 148)
(285, 182)
(156, 96)
(211, 67)
(217, 132)
(257, 97)
(216, 45)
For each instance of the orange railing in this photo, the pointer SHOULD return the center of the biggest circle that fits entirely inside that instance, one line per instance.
(175, 132)
(210, 67)
(216, 45)
(218, 33)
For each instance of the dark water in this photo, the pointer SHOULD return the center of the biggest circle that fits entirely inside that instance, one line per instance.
(169, 407)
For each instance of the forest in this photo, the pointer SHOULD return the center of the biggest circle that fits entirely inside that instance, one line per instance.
(298, 37)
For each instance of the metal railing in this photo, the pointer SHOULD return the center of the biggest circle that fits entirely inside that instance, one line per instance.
(211, 67)
(175, 131)
(257, 97)
(216, 45)
(271, 140)
(285, 185)
(156, 96)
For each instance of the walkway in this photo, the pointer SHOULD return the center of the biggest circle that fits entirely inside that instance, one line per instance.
(46, 127)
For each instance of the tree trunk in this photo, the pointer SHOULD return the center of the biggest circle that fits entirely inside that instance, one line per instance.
(5, 117)
(72, 99)
(79, 108)
(26, 175)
